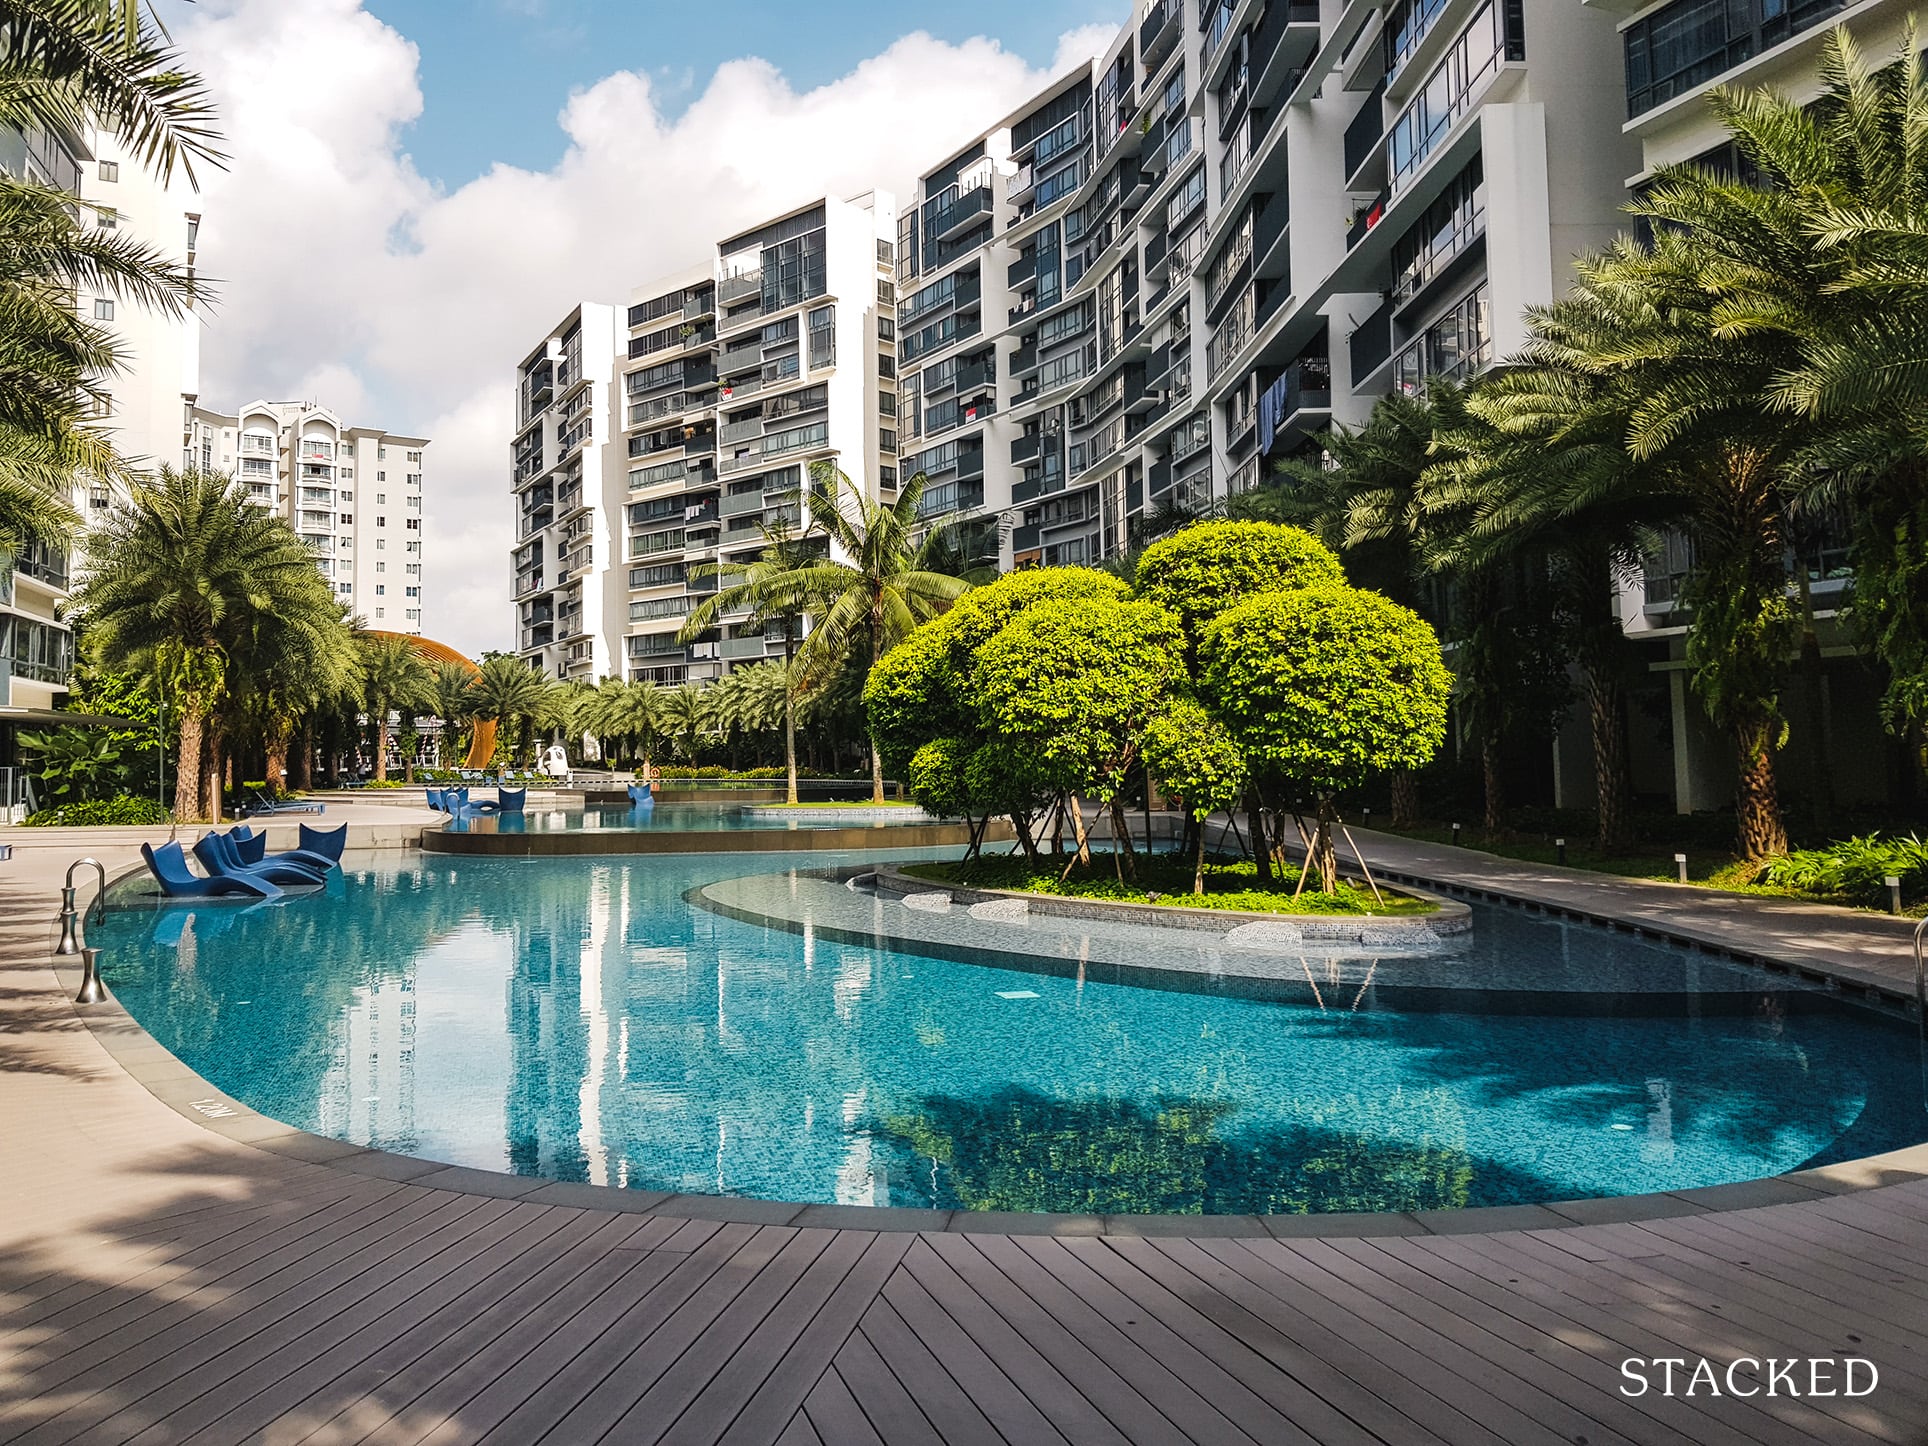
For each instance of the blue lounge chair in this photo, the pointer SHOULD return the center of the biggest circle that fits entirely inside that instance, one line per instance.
(169, 867)
(437, 800)
(251, 849)
(251, 846)
(507, 800)
(263, 804)
(327, 842)
(216, 854)
(640, 794)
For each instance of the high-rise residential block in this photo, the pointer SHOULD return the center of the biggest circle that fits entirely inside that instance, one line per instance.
(667, 439)
(353, 494)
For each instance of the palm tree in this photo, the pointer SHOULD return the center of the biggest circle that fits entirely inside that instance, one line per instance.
(1683, 389)
(66, 65)
(394, 677)
(182, 579)
(55, 364)
(508, 693)
(875, 586)
(451, 692)
(773, 588)
(1824, 262)
(685, 715)
(290, 679)
(626, 713)
(1537, 470)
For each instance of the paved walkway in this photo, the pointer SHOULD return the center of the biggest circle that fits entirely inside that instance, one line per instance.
(168, 1276)
(1865, 948)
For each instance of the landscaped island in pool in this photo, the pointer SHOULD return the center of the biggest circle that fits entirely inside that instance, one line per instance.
(732, 1024)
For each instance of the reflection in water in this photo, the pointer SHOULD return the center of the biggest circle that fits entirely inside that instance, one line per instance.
(578, 1020)
(1018, 1150)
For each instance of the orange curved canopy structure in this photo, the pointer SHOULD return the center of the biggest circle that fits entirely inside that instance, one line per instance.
(482, 741)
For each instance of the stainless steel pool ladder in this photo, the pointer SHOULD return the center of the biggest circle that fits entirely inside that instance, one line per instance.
(71, 938)
(1921, 977)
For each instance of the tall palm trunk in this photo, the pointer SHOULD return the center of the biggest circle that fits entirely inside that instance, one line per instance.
(789, 712)
(1757, 799)
(279, 730)
(876, 652)
(301, 773)
(1607, 720)
(1492, 781)
(187, 773)
(1598, 645)
(381, 744)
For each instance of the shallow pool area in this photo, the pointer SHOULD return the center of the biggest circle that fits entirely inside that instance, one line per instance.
(618, 1020)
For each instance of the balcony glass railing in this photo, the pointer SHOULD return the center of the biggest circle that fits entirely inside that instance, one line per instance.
(1475, 57)
(1458, 345)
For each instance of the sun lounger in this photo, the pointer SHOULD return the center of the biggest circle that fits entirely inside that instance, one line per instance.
(327, 842)
(264, 804)
(216, 854)
(169, 867)
(251, 849)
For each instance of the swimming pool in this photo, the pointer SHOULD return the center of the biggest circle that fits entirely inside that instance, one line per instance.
(598, 1020)
(667, 818)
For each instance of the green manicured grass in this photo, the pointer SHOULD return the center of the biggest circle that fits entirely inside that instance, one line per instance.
(1167, 881)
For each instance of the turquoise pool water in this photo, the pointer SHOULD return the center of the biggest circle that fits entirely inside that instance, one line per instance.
(587, 1019)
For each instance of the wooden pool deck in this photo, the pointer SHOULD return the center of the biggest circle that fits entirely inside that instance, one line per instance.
(171, 1273)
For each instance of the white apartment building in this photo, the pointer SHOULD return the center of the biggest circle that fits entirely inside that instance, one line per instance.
(354, 494)
(666, 436)
(147, 416)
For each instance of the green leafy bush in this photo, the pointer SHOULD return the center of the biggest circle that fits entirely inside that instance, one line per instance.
(1200, 571)
(1854, 868)
(127, 809)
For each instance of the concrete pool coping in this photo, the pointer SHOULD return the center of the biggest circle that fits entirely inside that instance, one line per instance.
(186, 1092)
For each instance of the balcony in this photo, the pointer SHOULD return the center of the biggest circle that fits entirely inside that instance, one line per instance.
(1364, 219)
(741, 431)
(1305, 386)
(962, 212)
(1159, 34)
(1362, 135)
(1279, 52)
(1026, 448)
(738, 649)
(1682, 46)
(1023, 271)
(1371, 343)
(743, 504)
(739, 287)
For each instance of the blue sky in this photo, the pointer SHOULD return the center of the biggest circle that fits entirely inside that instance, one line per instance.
(494, 73)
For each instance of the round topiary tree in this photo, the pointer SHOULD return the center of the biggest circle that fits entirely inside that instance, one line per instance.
(919, 690)
(1076, 681)
(914, 696)
(1208, 567)
(1194, 757)
(1326, 686)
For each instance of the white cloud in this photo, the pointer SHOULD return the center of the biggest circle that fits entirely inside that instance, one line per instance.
(347, 276)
